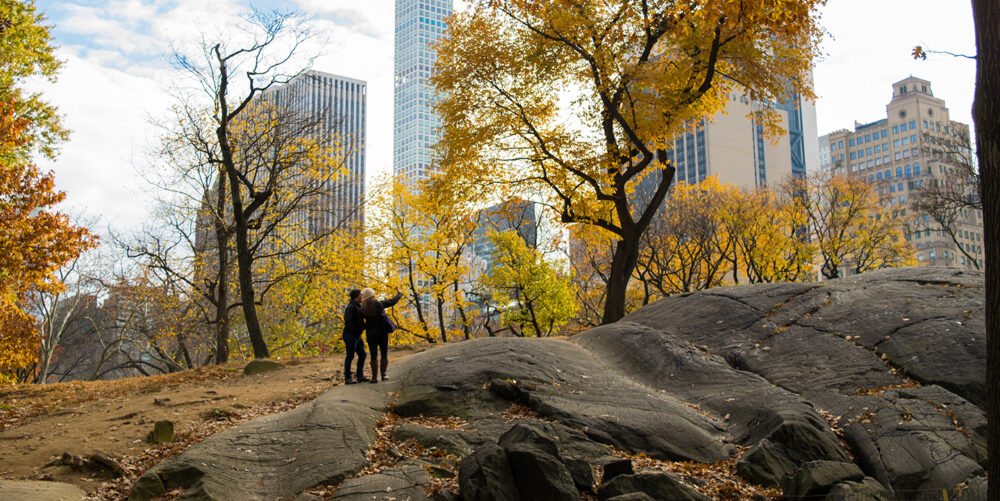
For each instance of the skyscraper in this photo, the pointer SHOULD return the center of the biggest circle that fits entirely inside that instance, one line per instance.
(419, 23)
(915, 146)
(341, 105)
(733, 147)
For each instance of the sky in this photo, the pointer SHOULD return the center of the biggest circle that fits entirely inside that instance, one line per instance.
(116, 77)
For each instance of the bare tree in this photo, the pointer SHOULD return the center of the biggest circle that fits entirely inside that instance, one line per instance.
(261, 163)
(951, 199)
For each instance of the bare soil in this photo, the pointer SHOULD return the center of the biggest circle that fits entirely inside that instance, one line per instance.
(38, 423)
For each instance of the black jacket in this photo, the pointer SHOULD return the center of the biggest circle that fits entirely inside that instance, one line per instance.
(354, 321)
(375, 323)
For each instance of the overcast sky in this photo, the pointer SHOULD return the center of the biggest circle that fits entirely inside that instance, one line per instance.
(116, 76)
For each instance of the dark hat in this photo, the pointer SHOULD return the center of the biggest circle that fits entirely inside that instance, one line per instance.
(354, 293)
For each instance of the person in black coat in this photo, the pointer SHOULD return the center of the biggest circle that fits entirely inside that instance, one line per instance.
(354, 325)
(378, 326)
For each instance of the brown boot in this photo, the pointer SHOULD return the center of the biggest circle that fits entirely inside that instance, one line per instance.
(385, 365)
(374, 371)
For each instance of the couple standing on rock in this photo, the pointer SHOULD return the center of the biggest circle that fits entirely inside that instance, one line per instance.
(364, 313)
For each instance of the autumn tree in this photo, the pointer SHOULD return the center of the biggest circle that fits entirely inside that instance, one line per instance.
(850, 227)
(35, 239)
(532, 294)
(686, 247)
(639, 74)
(271, 158)
(422, 233)
(26, 53)
(768, 238)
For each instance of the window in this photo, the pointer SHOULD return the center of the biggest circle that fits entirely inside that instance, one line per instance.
(916, 169)
(895, 143)
(878, 176)
(899, 172)
(913, 124)
(851, 141)
(906, 153)
(899, 187)
(854, 155)
(885, 133)
(888, 174)
(840, 144)
(892, 188)
(902, 127)
(897, 155)
(868, 151)
(932, 254)
(871, 178)
(870, 164)
(895, 129)
(920, 257)
(878, 148)
(905, 141)
(908, 171)
(925, 124)
(868, 138)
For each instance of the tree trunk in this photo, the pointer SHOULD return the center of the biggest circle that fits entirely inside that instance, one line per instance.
(245, 276)
(985, 110)
(222, 286)
(440, 314)
(622, 265)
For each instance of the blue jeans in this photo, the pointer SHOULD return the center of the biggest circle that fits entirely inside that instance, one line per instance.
(354, 344)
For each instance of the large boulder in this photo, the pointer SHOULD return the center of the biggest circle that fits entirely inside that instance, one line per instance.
(659, 485)
(895, 358)
(565, 383)
(815, 478)
(486, 476)
(276, 456)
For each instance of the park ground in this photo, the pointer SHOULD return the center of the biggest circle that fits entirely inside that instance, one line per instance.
(39, 423)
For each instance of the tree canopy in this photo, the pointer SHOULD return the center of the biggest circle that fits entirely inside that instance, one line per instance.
(583, 99)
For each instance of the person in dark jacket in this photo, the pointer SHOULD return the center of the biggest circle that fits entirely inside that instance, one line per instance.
(378, 325)
(354, 325)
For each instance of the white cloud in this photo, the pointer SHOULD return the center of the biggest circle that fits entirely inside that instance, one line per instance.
(106, 110)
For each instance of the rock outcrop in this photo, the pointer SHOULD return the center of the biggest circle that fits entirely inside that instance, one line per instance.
(869, 387)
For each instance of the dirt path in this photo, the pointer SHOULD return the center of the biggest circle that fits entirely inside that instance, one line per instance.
(114, 417)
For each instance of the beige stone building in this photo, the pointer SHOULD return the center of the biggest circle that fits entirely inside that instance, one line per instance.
(916, 146)
(732, 147)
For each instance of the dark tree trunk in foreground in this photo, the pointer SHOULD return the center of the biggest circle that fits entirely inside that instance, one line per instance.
(986, 117)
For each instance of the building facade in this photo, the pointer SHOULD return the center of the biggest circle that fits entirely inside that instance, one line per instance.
(914, 147)
(419, 24)
(732, 145)
(341, 104)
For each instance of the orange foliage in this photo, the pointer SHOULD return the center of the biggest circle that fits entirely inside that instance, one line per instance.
(34, 240)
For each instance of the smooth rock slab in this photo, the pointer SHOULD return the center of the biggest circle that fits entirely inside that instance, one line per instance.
(565, 383)
(33, 490)
(406, 483)
(279, 455)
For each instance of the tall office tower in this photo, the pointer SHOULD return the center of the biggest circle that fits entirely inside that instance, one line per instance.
(341, 105)
(915, 146)
(733, 147)
(419, 23)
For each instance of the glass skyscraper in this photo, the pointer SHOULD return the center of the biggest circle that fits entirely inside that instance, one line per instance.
(341, 103)
(419, 23)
